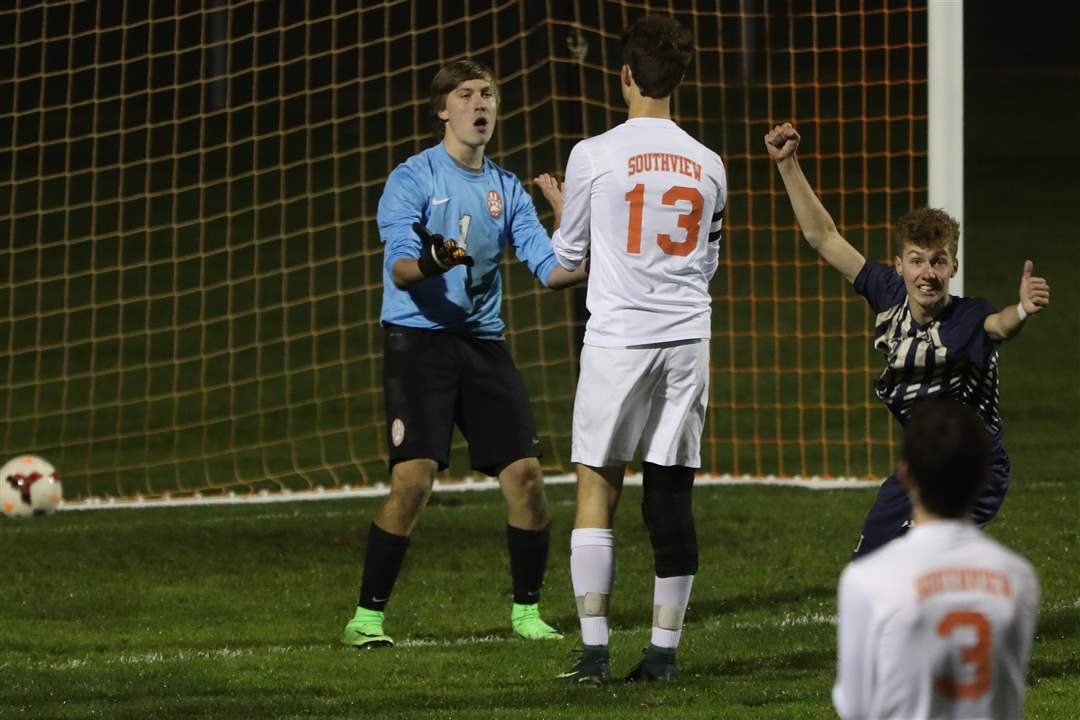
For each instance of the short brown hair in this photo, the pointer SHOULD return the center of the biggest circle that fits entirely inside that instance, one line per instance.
(449, 77)
(947, 450)
(928, 228)
(658, 50)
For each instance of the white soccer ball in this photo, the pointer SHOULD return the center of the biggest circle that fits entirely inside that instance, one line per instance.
(29, 486)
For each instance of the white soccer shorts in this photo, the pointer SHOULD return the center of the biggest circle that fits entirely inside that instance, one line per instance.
(648, 398)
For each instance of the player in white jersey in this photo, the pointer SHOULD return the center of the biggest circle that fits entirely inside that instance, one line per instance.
(643, 204)
(938, 623)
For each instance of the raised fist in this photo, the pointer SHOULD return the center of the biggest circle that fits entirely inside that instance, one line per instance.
(782, 141)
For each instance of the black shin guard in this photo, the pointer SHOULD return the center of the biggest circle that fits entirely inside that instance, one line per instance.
(668, 511)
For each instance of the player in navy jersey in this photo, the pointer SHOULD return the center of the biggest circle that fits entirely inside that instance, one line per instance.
(935, 344)
(446, 217)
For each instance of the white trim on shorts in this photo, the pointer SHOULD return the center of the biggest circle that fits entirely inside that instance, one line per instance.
(647, 398)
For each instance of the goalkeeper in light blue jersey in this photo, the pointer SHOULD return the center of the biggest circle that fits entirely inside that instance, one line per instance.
(446, 218)
(484, 210)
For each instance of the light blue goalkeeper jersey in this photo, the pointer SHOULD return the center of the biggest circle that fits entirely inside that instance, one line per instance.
(483, 210)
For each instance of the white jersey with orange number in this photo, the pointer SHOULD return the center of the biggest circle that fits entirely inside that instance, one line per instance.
(644, 202)
(936, 624)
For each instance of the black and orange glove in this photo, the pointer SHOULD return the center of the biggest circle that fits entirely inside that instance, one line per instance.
(437, 254)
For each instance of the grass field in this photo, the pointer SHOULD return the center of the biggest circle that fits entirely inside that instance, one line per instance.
(218, 612)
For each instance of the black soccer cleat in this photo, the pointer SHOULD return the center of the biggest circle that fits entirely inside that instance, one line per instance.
(592, 668)
(656, 665)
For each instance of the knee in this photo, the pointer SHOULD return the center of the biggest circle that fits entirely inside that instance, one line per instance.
(523, 486)
(668, 513)
(524, 477)
(411, 484)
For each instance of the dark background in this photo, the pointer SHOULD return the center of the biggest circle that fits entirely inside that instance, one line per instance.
(193, 272)
(1022, 74)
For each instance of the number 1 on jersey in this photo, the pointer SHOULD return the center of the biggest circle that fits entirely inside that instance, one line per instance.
(689, 221)
(636, 198)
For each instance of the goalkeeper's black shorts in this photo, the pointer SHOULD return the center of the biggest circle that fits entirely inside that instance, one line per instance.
(433, 380)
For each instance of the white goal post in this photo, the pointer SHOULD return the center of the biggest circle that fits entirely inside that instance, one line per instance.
(945, 103)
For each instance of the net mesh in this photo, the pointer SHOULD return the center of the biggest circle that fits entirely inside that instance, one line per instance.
(192, 266)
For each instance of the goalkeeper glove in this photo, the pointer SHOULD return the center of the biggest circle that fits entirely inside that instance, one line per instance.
(437, 254)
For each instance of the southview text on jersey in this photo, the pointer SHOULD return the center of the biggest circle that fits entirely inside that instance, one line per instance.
(483, 210)
(936, 624)
(644, 202)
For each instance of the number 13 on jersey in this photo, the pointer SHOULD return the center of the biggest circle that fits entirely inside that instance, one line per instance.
(690, 221)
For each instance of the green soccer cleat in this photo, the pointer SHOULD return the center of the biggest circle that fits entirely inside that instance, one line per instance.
(592, 668)
(527, 623)
(365, 630)
(656, 665)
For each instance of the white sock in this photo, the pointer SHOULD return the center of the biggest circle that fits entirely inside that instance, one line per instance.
(592, 568)
(671, 595)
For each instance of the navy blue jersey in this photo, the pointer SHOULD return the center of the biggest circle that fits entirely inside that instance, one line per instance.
(950, 356)
(483, 210)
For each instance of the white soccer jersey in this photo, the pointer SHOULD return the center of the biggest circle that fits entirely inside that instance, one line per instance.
(936, 624)
(645, 202)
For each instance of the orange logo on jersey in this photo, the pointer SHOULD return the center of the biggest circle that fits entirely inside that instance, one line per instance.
(495, 204)
(962, 579)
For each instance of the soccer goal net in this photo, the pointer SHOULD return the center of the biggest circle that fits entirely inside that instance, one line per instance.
(192, 270)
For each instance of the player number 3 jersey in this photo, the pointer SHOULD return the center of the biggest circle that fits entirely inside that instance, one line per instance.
(645, 202)
(936, 624)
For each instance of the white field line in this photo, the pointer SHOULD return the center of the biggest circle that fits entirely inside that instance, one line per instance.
(789, 620)
(227, 653)
(381, 489)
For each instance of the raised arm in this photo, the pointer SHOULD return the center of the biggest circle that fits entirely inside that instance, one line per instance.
(559, 277)
(1034, 296)
(413, 253)
(571, 241)
(817, 225)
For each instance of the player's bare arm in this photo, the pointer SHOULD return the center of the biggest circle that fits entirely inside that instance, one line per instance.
(817, 225)
(559, 278)
(1034, 296)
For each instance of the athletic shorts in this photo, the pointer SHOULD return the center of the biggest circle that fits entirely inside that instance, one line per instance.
(433, 380)
(648, 398)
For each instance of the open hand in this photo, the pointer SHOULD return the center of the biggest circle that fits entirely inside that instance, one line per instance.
(552, 190)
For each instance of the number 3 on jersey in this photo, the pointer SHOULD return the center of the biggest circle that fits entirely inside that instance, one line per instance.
(977, 655)
(689, 221)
